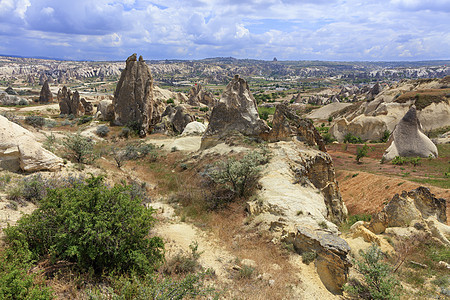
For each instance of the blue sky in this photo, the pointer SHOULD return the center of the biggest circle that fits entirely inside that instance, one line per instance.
(351, 30)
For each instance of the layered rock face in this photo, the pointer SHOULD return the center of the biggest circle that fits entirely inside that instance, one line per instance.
(70, 103)
(236, 113)
(198, 95)
(45, 95)
(20, 151)
(408, 140)
(133, 98)
(298, 202)
(287, 125)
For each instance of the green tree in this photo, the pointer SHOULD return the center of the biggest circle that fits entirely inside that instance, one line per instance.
(361, 152)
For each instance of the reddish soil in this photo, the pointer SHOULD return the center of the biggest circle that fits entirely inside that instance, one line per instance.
(366, 187)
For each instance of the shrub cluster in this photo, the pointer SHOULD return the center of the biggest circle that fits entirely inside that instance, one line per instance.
(352, 139)
(35, 121)
(399, 161)
(102, 130)
(133, 151)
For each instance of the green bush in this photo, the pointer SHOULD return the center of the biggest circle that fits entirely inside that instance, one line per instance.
(378, 281)
(102, 130)
(328, 138)
(96, 227)
(308, 257)
(169, 101)
(239, 176)
(125, 287)
(399, 161)
(204, 109)
(35, 121)
(85, 119)
(15, 280)
(79, 149)
(352, 139)
(385, 137)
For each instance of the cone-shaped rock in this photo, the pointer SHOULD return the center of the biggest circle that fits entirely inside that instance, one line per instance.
(199, 95)
(133, 98)
(408, 140)
(236, 112)
(46, 95)
(69, 103)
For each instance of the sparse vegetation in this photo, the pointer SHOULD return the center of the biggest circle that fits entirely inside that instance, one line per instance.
(35, 121)
(102, 130)
(79, 149)
(239, 176)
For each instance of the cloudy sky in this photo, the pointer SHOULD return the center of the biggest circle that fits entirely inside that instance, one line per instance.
(350, 30)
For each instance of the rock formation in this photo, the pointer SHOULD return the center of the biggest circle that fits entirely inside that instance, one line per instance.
(194, 128)
(198, 95)
(20, 151)
(417, 208)
(105, 110)
(133, 98)
(88, 107)
(287, 125)
(375, 90)
(70, 103)
(298, 202)
(46, 95)
(174, 120)
(10, 91)
(236, 113)
(408, 140)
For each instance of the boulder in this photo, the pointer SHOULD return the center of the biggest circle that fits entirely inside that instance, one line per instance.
(45, 95)
(198, 95)
(332, 262)
(408, 140)
(175, 120)
(236, 113)
(19, 150)
(408, 208)
(105, 110)
(194, 128)
(288, 125)
(133, 99)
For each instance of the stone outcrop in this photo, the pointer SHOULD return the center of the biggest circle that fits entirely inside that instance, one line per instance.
(298, 202)
(133, 99)
(408, 139)
(409, 207)
(174, 120)
(45, 95)
(198, 95)
(287, 125)
(236, 113)
(71, 104)
(19, 150)
(105, 110)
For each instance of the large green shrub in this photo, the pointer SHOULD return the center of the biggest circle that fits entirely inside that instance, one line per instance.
(361, 152)
(378, 281)
(92, 225)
